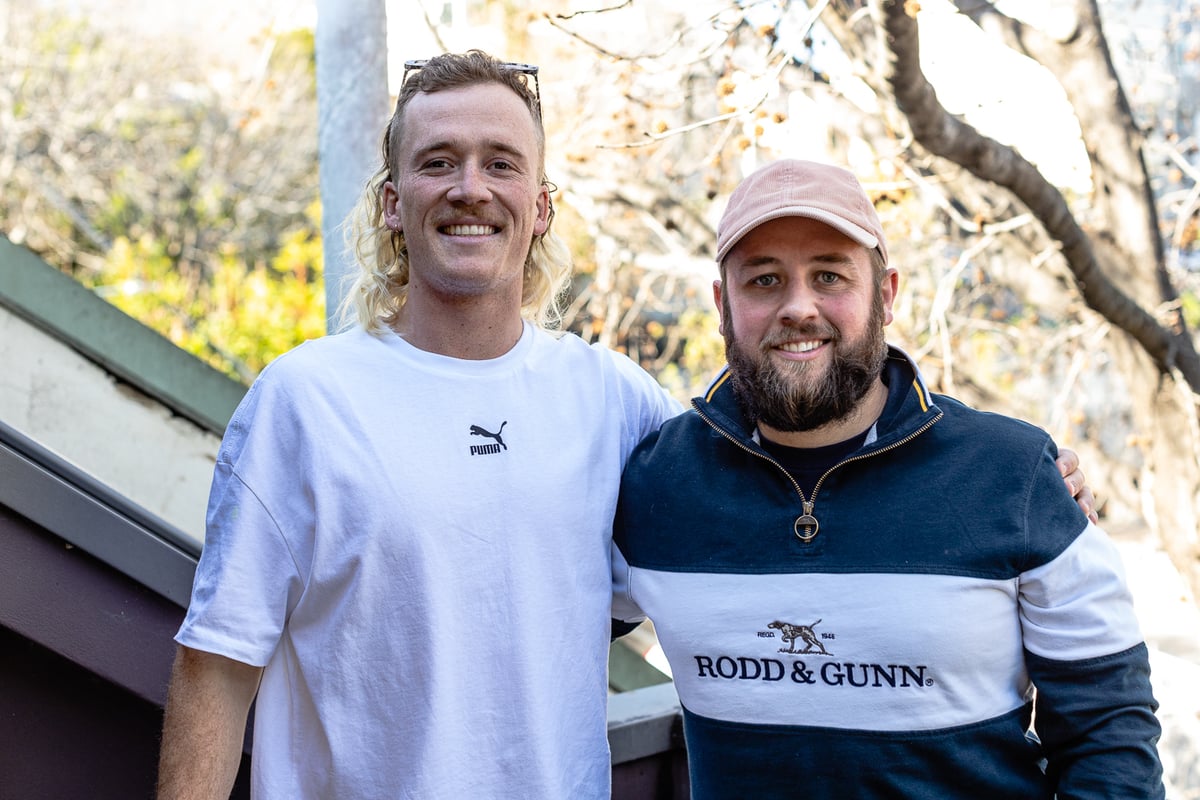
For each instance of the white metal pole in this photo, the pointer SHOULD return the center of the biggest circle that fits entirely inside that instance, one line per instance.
(352, 103)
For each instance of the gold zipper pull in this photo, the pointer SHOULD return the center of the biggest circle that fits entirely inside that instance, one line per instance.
(806, 525)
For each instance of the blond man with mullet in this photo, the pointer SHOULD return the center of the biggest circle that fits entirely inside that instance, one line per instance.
(400, 511)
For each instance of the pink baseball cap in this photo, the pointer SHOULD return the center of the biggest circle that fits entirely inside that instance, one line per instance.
(792, 188)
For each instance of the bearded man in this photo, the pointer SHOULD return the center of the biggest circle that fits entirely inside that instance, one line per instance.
(973, 635)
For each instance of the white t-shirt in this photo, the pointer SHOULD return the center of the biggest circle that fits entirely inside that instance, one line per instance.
(417, 549)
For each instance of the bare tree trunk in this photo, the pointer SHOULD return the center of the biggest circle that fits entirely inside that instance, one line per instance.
(1124, 254)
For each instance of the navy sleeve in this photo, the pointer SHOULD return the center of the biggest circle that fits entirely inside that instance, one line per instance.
(1095, 719)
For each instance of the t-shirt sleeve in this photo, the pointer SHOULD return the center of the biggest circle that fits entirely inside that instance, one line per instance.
(646, 403)
(624, 608)
(247, 577)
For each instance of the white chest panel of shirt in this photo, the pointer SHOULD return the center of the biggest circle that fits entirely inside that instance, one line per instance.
(394, 533)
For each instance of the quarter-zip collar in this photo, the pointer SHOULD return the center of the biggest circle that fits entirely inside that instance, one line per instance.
(909, 411)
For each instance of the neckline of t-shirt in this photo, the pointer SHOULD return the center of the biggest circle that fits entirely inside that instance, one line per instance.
(436, 362)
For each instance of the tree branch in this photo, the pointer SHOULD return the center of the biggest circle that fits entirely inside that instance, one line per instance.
(989, 160)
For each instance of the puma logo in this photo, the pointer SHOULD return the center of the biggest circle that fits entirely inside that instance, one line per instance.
(485, 449)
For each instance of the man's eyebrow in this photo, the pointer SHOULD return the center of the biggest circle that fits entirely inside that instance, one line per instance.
(508, 149)
(757, 261)
(834, 258)
(766, 260)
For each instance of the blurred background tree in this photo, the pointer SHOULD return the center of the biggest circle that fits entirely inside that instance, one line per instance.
(1044, 226)
(182, 189)
(1038, 182)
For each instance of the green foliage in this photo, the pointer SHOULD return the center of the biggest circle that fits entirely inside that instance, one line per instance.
(1191, 309)
(704, 347)
(295, 52)
(242, 316)
(181, 186)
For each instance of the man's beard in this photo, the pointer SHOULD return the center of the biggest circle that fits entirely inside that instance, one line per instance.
(791, 397)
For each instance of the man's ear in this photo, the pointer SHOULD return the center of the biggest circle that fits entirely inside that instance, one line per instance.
(391, 207)
(720, 306)
(542, 223)
(887, 289)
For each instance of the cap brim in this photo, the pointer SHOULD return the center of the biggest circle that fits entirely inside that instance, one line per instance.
(859, 235)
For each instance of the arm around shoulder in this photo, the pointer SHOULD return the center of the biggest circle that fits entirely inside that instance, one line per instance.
(204, 725)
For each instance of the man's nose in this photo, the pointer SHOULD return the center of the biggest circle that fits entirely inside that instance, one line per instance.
(470, 186)
(800, 303)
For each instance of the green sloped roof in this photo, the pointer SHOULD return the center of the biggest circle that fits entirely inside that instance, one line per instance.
(126, 348)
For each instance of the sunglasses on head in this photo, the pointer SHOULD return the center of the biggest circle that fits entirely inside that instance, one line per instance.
(508, 66)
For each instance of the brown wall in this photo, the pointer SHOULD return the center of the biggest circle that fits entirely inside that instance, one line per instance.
(85, 655)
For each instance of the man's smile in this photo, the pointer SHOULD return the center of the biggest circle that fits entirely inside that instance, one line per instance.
(800, 347)
(468, 230)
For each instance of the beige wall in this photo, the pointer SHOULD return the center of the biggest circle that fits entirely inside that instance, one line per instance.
(109, 429)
